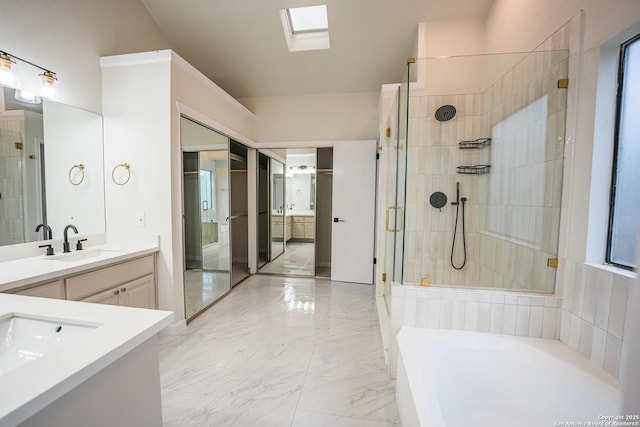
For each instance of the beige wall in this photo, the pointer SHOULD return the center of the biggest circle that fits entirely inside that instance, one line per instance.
(345, 116)
(70, 36)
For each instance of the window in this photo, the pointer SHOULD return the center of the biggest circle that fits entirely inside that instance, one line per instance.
(306, 28)
(206, 190)
(625, 189)
(308, 19)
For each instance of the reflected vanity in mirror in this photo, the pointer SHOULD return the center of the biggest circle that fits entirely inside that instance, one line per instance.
(51, 169)
(278, 223)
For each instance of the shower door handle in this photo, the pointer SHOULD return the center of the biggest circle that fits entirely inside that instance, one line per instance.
(388, 227)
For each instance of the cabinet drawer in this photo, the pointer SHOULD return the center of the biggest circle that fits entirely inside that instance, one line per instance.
(297, 219)
(84, 285)
(48, 290)
(309, 219)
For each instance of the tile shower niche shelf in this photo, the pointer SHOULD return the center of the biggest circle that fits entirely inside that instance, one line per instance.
(473, 170)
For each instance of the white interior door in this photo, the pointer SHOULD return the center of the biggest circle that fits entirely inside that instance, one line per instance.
(354, 175)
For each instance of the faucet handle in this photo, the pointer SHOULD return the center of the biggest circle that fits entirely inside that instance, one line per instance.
(49, 249)
(79, 244)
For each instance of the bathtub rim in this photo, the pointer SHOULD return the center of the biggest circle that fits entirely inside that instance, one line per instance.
(413, 337)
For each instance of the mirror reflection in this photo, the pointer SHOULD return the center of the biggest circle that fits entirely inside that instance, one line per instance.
(39, 145)
(206, 215)
(293, 213)
(278, 227)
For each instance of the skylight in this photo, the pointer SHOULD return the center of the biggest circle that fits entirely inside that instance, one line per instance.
(306, 28)
(308, 19)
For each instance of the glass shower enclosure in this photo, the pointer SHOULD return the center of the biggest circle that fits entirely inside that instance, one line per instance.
(472, 166)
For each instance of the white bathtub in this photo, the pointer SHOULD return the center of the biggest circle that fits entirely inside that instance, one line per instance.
(458, 378)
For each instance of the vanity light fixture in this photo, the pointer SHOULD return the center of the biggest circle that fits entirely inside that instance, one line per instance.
(7, 78)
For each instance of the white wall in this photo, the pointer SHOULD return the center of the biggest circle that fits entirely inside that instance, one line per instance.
(137, 130)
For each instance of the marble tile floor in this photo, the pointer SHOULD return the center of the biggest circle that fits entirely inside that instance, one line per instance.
(298, 259)
(202, 288)
(280, 351)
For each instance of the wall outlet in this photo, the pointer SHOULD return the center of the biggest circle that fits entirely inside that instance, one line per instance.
(140, 220)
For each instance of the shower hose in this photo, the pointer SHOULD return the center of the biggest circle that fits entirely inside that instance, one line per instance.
(464, 240)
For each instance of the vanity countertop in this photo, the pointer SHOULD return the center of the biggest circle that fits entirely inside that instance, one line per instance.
(303, 213)
(29, 388)
(24, 271)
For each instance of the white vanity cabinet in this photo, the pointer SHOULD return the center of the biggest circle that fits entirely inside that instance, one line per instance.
(304, 227)
(309, 227)
(298, 227)
(130, 284)
(48, 290)
(278, 226)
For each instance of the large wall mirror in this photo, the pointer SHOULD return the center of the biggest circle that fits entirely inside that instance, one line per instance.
(51, 169)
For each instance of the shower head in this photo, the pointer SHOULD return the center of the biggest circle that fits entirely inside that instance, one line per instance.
(445, 113)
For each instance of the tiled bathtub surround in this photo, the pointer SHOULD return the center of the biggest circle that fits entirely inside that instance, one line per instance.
(495, 311)
(595, 313)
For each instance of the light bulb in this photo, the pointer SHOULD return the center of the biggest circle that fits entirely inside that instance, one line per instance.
(47, 90)
(6, 75)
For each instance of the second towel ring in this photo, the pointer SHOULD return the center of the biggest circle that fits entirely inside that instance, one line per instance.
(126, 166)
(80, 167)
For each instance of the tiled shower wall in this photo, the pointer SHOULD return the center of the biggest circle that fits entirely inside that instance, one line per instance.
(595, 314)
(11, 192)
(512, 214)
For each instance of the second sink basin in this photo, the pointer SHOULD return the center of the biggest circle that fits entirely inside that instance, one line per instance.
(23, 339)
(83, 255)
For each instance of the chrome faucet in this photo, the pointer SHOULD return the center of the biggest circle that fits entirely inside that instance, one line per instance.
(46, 231)
(65, 244)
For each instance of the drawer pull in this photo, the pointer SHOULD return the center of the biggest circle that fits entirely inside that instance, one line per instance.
(123, 289)
(116, 292)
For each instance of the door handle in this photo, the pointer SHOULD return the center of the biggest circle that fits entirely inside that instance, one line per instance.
(393, 230)
(336, 219)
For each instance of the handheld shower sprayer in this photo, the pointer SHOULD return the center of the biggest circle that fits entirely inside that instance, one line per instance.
(455, 229)
(457, 202)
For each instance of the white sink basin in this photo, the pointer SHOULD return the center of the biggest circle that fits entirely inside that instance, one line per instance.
(23, 339)
(83, 255)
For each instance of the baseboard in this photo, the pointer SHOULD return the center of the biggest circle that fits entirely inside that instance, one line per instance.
(175, 327)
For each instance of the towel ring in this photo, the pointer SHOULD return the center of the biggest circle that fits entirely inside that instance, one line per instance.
(126, 166)
(80, 167)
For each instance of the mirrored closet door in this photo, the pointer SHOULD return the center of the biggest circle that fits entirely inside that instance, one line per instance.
(206, 216)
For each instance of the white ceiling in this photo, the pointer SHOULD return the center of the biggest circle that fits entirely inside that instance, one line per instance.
(240, 45)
